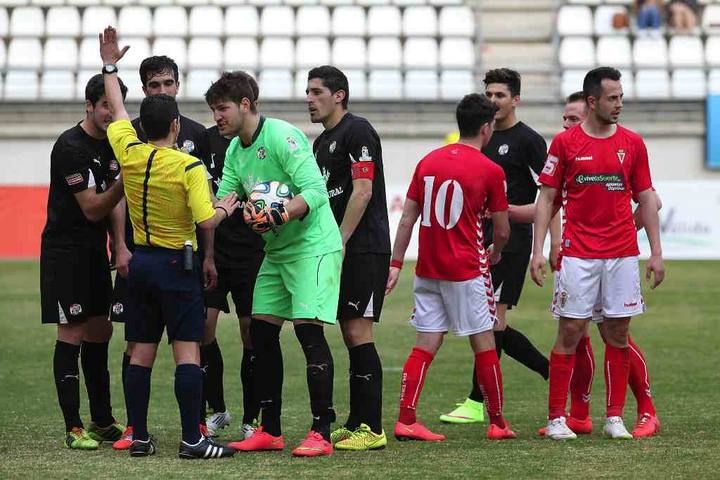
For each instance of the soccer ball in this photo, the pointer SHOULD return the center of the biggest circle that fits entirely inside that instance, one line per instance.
(269, 194)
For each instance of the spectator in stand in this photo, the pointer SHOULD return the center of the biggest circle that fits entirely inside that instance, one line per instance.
(683, 15)
(649, 14)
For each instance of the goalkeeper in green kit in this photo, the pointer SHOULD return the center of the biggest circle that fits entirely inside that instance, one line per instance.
(299, 279)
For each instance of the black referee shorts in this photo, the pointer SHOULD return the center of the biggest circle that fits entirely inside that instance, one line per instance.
(160, 295)
(362, 285)
(508, 277)
(75, 284)
(239, 282)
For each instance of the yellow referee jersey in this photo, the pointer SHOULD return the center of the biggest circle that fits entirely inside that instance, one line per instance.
(166, 190)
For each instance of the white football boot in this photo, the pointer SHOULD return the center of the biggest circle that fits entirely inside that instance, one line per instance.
(557, 429)
(615, 429)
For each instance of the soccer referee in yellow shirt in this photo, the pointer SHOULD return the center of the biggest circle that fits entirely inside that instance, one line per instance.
(167, 194)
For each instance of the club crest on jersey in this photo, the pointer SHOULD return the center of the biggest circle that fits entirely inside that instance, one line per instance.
(365, 155)
(261, 153)
(503, 149)
(118, 308)
(75, 309)
(188, 146)
(333, 145)
(292, 144)
(621, 155)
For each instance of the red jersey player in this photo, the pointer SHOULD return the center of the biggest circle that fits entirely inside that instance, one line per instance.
(451, 189)
(601, 166)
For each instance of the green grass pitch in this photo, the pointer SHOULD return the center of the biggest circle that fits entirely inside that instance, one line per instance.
(679, 335)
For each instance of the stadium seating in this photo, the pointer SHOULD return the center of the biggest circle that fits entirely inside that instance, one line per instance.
(21, 85)
(418, 44)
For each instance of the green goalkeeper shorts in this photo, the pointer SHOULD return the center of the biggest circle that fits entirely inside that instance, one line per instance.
(303, 289)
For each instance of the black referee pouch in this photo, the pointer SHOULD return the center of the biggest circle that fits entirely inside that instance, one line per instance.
(188, 256)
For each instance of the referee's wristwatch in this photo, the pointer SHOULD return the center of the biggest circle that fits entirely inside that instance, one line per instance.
(109, 68)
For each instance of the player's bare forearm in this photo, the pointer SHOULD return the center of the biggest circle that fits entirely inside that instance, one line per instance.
(96, 206)
(208, 242)
(111, 54)
(639, 225)
(410, 214)
(117, 222)
(543, 215)
(501, 230)
(555, 229)
(297, 207)
(650, 220)
(522, 213)
(357, 204)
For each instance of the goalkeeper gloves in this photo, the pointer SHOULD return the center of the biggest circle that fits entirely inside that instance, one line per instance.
(262, 220)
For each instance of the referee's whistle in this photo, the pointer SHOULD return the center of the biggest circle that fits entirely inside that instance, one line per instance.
(188, 256)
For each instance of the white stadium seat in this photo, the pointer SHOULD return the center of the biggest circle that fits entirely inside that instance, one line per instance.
(198, 82)
(312, 52)
(277, 20)
(206, 20)
(420, 21)
(25, 53)
(174, 48)
(89, 56)
(572, 81)
(455, 84)
(335, 3)
(242, 20)
(276, 83)
(348, 20)
(714, 81)
(62, 53)
(421, 84)
(712, 51)
(457, 53)
(650, 52)
(241, 53)
(170, 21)
(357, 80)
(300, 84)
(277, 52)
(27, 22)
(711, 19)
(135, 21)
(628, 84)
(585, 2)
(420, 53)
(604, 20)
(385, 85)
(63, 21)
(312, 20)
(95, 17)
(370, 3)
(21, 85)
(456, 21)
(652, 84)
(204, 53)
(4, 24)
(3, 57)
(689, 84)
(81, 79)
(300, 3)
(576, 52)
(349, 53)
(575, 20)
(383, 20)
(686, 51)
(384, 52)
(614, 50)
(47, 3)
(139, 51)
(57, 85)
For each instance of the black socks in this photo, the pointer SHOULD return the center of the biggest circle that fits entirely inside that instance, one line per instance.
(366, 379)
(268, 378)
(67, 382)
(213, 367)
(251, 408)
(320, 375)
(188, 384)
(137, 386)
(517, 346)
(94, 360)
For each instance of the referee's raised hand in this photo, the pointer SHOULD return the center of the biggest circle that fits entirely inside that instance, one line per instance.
(110, 52)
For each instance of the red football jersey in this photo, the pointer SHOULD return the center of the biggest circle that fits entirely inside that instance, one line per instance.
(598, 177)
(454, 186)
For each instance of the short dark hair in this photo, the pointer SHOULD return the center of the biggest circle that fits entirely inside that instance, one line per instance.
(95, 88)
(575, 97)
(234, 86)
(156, 114)
(474, 111)
(506, 76)
(157, 64)
(592, 84)
(333, 78)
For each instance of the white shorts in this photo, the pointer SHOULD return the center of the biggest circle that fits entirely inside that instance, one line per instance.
(597, 288)
(466, 307)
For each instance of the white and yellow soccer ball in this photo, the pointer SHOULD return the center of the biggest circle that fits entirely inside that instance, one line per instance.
(269, 194)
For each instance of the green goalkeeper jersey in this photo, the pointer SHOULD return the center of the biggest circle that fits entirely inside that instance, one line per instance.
(281, 152)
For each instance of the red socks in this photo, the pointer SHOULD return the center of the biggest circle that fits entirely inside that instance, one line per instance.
(489, 377)
(413, 378)
(617, 369)
(561, 370)
(639, 380)
(582, 378)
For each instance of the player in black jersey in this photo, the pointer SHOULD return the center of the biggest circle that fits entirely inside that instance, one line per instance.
(238, 256)
(521, 152)
(159, 75)
(349, 155)
(75, 282)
